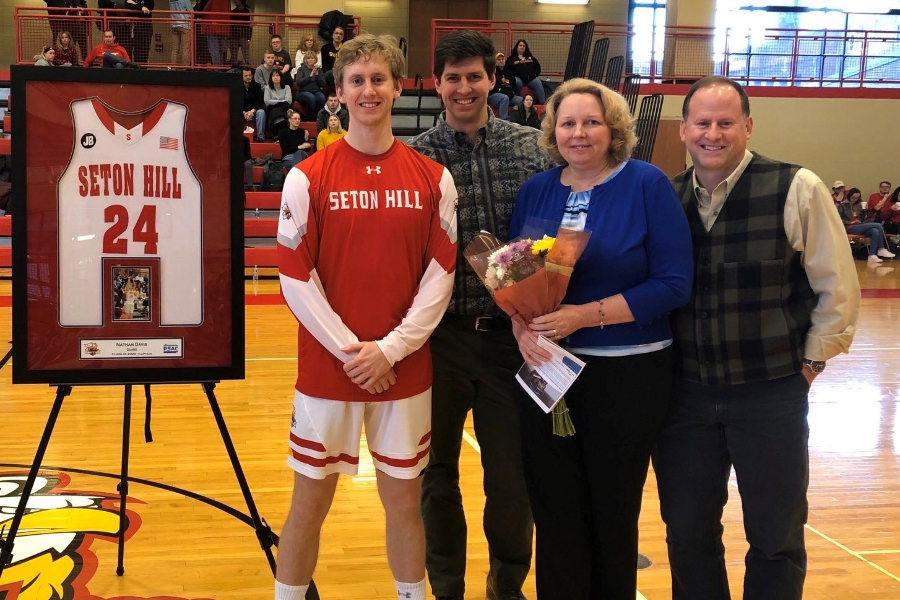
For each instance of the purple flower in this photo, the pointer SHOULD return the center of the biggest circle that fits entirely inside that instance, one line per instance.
(505, 257)
(519, 246)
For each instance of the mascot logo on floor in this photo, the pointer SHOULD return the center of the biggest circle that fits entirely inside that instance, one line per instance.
(52, 557)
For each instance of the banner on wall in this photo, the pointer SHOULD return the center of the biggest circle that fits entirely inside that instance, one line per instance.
(128, 247)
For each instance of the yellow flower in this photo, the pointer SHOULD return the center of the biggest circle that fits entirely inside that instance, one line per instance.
(542, 246)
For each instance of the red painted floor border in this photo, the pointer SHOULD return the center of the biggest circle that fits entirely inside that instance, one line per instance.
(881, 294)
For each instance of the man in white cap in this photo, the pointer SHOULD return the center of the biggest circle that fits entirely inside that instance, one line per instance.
(838, 192)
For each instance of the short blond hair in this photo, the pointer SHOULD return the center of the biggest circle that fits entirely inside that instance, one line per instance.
(310, 55)
(365, 45)
(615, 112)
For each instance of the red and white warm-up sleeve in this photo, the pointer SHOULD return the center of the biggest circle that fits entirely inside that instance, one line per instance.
(436, 286)
(298, 245)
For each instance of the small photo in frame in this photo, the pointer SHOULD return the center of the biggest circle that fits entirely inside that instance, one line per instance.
(131, 294)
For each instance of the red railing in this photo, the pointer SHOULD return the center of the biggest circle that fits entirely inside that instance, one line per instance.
(773, 57)
(216, 40)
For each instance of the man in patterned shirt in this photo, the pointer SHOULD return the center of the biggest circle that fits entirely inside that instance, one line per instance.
(475, 353)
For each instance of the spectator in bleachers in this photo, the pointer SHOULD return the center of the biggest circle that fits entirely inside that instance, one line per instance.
(526, 114)
(79, 28)
(278, 100)
(45, 58)
(332, 107)
(333, 133)
(66, 53)
(329, 53)
(215, 35)
(265, 69)
(279, 65)
(890, 213)
(853, 216)
(310, 84)
(503, 93)
(838, 192)
(254, 103)
(307, 44)
(285, 64)
(878, 200)
(294, 141)
(239, 38)
(181, 31)
(139, 45)
(527, 70)
(111, 54)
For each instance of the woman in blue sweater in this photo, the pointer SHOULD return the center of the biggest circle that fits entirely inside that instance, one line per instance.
(585, 490)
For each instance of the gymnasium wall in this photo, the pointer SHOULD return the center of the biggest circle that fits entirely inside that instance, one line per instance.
(851, 139)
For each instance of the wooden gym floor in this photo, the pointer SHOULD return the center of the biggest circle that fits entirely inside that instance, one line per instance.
(180, 547)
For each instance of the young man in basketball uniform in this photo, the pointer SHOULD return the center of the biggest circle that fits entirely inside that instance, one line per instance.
(361, 208)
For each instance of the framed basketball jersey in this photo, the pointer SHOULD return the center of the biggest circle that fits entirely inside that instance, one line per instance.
(128, 238)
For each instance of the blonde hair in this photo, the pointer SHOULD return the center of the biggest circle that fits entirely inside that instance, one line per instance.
(59, 39)
(615, 112)
(340, 128)
(310, 55)
(309, 36)
(365, 45)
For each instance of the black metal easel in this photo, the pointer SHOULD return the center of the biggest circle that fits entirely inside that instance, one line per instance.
(6, 357)
(264, 533)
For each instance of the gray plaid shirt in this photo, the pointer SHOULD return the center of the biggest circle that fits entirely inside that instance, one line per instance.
(488, 175)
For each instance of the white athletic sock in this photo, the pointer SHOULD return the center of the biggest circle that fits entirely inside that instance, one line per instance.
(290, 592)
(411, 591)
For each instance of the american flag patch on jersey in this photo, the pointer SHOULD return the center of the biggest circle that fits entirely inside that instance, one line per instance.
(168, 142)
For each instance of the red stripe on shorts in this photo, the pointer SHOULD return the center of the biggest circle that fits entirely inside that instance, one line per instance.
(425, 438)
(310, 445)
(328, 460)
(400, 462)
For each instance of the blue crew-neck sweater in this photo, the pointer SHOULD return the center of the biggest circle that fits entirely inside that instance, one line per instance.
(640, 246)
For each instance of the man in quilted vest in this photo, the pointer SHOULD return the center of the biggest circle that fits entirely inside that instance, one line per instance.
(775, 296)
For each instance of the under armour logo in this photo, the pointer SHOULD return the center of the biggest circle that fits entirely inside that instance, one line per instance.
(376, 170)
(403, 594)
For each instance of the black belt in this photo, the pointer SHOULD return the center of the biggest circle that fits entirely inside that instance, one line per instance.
(502, 323)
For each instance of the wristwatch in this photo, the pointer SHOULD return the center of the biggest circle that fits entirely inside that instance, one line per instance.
(816, 366)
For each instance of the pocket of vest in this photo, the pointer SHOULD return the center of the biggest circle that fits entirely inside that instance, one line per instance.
(750, 302)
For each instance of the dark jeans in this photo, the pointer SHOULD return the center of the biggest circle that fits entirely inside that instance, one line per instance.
(313, 101)
(475, 371)
(586, 489)
(760, 428)
(111, 61)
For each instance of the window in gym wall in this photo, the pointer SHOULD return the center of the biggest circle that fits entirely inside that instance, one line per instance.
(648, 19)
(810, 42)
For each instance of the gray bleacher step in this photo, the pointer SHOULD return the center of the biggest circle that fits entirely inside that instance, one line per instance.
(411, 102)
(409, 121)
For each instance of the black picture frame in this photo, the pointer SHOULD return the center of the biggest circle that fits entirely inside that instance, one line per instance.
(230, 117)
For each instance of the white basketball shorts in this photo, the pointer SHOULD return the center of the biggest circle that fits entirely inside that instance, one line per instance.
(325, 435)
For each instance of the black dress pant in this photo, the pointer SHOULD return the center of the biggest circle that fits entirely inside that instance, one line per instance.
(586, 489)
(143, 34)
(475, 371)
(760, 428)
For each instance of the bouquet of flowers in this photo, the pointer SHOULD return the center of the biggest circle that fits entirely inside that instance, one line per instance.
(528, 277)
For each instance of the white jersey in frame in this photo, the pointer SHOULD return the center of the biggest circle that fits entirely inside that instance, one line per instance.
(129, 191)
